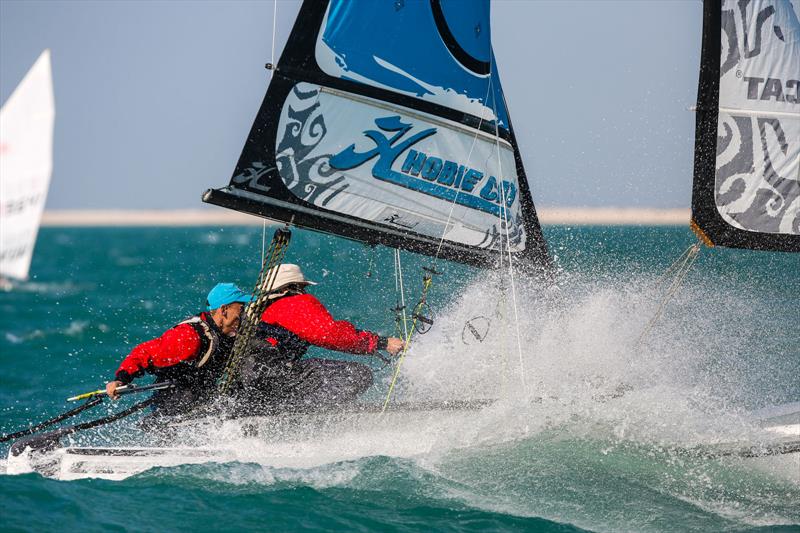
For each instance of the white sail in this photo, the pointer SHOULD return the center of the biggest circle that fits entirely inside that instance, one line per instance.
(747, 151)
(26, 162)
(759, 106)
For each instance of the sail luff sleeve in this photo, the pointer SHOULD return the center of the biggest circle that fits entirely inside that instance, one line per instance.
(376, 134)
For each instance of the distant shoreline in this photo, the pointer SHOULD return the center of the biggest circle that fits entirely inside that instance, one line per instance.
(223, 217)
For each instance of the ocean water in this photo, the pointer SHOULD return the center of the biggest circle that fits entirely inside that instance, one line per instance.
(591, 430)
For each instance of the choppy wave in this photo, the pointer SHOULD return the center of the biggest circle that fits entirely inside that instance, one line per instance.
(75, 329)
(592, 429)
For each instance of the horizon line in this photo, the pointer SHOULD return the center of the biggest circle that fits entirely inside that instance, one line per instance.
(611, 216)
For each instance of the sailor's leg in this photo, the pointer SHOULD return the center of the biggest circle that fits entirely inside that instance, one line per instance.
(263, 383)
(327, 381)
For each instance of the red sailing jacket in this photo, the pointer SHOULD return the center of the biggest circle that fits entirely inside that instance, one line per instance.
(306, 317)
(181, 343)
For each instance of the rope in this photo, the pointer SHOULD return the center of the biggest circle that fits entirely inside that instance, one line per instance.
(371, 263)
(252, 313)
(428, 279)
(680, 268)
(677, 264)
(426, 284)
(469, 158)
(504, 212)
(263, 239)
(50, 439)
(271, 74)
(398, 277)
(274, 31)
(52, 421)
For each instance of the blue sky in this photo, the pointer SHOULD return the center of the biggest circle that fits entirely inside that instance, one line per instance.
(154, 99)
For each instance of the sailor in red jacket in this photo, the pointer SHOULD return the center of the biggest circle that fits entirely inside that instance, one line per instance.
(295, 320)
(192, 354)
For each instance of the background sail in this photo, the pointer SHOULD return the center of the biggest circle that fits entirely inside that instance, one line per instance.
(26, 161)
(747, 150)
(385, 122)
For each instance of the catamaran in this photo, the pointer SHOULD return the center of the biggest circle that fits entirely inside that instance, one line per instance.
(404, 146)
(26, 162)
(371, 135)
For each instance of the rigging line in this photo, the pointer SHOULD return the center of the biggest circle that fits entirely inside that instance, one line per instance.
(402, 293)
(271, 74)
(253, 311)
(396, 278)
(263, 239)
(500, 311)
(274, 31)
(469, 158)
(428, 281)
(684, 264)
(397, 309)
(676, 265)
(92, 402)
(504, 212)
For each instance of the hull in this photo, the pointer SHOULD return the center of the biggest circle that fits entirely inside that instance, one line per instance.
(290, 440)
(304, 440)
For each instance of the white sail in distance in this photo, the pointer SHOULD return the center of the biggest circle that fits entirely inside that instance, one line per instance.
(26, 163)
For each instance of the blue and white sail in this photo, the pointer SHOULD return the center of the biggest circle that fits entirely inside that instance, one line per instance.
(385, 122)
(747, 150)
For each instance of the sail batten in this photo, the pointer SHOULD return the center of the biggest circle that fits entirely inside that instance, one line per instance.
(409, 146)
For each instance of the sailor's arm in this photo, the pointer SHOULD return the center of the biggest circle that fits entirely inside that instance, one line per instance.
(306, 317)
(178, 344)
(133, 366)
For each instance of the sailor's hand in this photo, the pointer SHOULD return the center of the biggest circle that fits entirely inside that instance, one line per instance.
(111, 389)
(394, 346)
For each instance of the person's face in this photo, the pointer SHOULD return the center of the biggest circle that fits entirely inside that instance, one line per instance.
(297, 288)
(231, 315)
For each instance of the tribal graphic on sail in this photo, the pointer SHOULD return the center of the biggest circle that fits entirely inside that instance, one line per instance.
(758, 146)
(356, 169)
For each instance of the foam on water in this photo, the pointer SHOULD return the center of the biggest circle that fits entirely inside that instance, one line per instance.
(596, 412)
(592, 428)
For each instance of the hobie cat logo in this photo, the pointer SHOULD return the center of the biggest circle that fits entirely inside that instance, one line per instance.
(423, 172)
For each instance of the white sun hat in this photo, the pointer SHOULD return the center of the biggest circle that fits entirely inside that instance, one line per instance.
(288, 274)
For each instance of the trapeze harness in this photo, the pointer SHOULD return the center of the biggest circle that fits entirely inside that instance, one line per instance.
(195, 380)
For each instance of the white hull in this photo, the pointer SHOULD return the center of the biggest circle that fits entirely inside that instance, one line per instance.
(282, 441)
(313, 439)
(116, 463)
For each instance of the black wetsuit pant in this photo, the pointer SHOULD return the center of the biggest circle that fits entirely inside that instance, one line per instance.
(306, 384)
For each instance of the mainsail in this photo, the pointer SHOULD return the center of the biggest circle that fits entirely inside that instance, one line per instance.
(385, 122)
(746, 190)
(26, 161)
